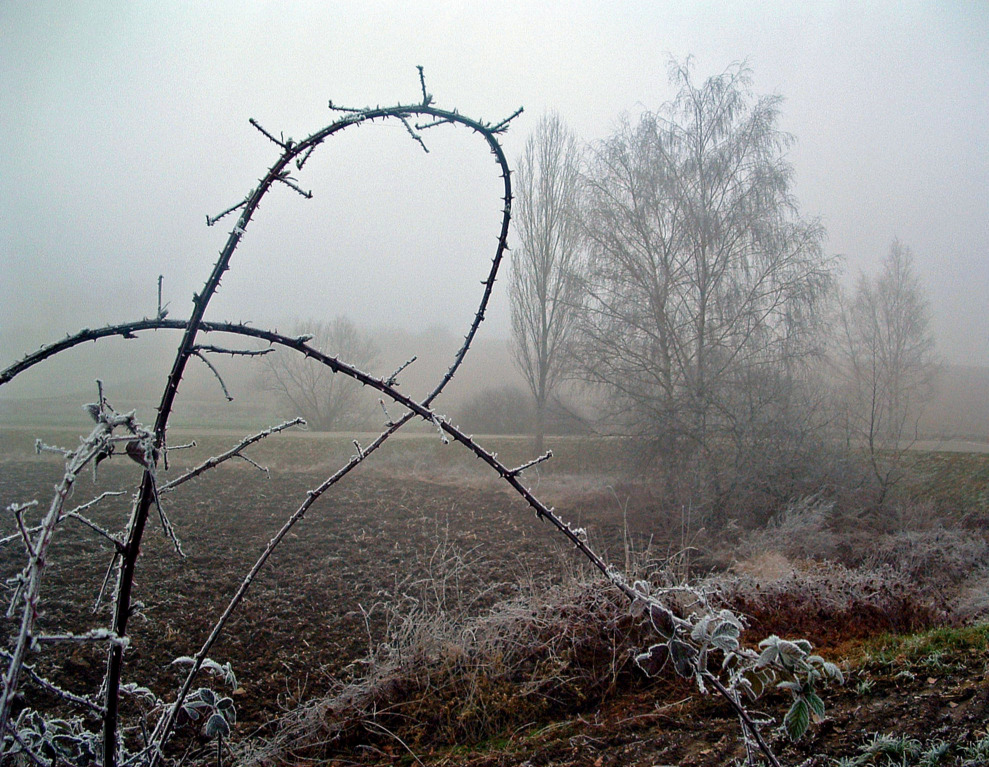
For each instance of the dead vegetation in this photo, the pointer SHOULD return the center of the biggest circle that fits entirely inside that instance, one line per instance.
(560, 656)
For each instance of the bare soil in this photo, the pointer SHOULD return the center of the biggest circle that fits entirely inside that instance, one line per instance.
(311, 614)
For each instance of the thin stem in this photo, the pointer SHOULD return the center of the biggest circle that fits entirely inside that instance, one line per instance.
(187, 349)
(235, 451)
(743, 715)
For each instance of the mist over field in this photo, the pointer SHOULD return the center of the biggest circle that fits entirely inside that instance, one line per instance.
(134, 371)
(530, 383)
(127, 125)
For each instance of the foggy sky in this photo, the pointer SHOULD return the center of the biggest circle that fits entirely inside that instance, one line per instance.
(125, 123)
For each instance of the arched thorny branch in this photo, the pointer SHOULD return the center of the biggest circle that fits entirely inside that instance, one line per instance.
(279, 172)
(417, 118)
(385, 386)
(634, 592)
(422, 116)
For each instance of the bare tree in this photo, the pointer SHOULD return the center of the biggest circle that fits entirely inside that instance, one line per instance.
(889, 362)
(32, 731)
(326, 400)
(704, 282)
(545, 290)
(41, 736)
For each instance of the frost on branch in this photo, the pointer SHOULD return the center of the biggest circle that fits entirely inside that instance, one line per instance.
(691, 644)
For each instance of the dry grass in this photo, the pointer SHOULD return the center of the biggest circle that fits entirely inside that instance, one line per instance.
(933, 554)
(827, 603)
(443, 678)
(446, 676)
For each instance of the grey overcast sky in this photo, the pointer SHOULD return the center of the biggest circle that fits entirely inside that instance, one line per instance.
(123, 124)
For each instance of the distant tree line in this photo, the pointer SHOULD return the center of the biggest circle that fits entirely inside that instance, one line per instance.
(666, 287)
(669, 270)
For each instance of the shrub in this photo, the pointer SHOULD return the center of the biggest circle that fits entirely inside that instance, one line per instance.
(829, 603)
(507, 410)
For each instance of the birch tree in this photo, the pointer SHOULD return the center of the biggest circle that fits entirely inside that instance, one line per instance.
(704, 281)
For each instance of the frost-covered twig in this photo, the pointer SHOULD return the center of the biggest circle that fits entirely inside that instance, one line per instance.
(210, 220)
(290, 183)
(393, 378)
(96, 635)
(285, 145)
(388, 420)
(53, 688)
(76, 515)
(90, 503)
(503, 125)
(235, 451)
(437, 422)
(263, 469)
(162, 310)
(42, 447)
(427, 98)
(106, 581)
(232, 352)
(300, 162)
(519, 469)
(746, 719)
(29, 583)
(166, 523)
(415, 136)
(25, 534)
